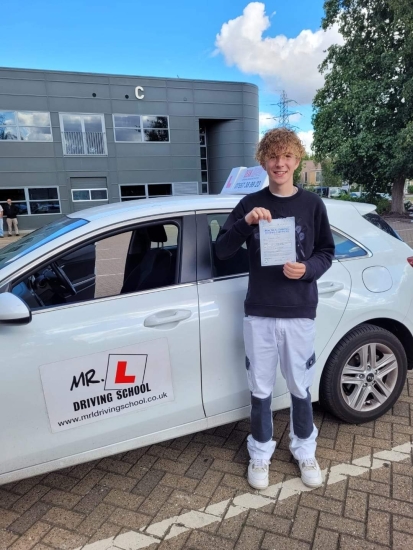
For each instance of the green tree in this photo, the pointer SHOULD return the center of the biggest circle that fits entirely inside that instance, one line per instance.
(330, 177)
(363, 115)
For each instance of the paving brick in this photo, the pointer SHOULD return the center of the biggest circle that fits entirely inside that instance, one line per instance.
(188, 500)
(381, 475)
(199, 467)
(149, 481)
(29, 518)
(155, 500)
(176, 543)
(123, 499)
(382, 430)
(86, 484)
(129, 519)
(63, 518)
(236, 482)
(352, 543)
(356, 505)
(229, 467)
(344, 525)
(332, 454)
(30, 498)
(250, 539)
(286, 508)
(171, 466)
(181, 482)
(325, 540)
(367, 486)
(63, 539)
(6, 539)
(25, 485)
(201, 541)
(402, 524)
(329, 429)
(231, 528)
(375, 442)
(272, 541)
(106, 531)
(81, 470)
(305, 523)
(6, 518)
(61, 498)
(390, 505)
(209, 483)
(378, 527)
(320, 503)
(7, 499)
(116, 481)
(89, 502)
(402, 488)
(59, 481)
(401, 541)
(31, 537)
(336, 491)
(235, 440)
(114, 466)
(95, 519)
(268, 522)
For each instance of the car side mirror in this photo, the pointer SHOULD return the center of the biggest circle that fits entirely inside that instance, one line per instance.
(13, 311)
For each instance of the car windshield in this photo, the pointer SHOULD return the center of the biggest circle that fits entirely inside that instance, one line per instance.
(38, 238)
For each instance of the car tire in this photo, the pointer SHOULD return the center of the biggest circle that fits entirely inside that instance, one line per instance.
(364, 375)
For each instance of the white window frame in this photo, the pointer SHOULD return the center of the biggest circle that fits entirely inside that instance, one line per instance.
(82, 115)
(27, 125)
(90, 195)
(27, 199)
(142, 129)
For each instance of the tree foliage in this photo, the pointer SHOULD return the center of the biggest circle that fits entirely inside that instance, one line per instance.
(363, 115)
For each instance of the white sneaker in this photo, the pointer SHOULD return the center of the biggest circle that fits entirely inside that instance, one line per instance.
(258, 473)
(310, 472)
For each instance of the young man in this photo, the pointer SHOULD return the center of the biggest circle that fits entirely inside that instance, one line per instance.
(281, 303)
(11, 212)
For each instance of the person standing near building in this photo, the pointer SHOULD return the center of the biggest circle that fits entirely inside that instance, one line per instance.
(1, 222)
(281, 302)
(11, 212)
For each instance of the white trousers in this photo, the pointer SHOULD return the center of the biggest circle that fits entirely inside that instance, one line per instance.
(289, 343)
(12, 222)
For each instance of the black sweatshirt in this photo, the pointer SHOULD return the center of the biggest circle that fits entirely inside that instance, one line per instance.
(270, 292)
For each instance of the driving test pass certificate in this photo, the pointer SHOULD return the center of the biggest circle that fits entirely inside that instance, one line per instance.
(277, 241)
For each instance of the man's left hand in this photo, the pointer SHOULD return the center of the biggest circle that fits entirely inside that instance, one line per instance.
(294, 270)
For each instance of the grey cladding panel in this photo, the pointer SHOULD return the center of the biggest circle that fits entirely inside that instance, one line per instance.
(183, 123)
(22, 179)
(180, 149)
(86, 164)
(211, 110)
(131, 150)
(181, 109)
(33, 164)
(184, 136)
(225, 86)
(145, 163)
(179, 94)
(22, 87)
(186, 162)
(137, 81)
(85, 78)
(78, 89)
(217, 96)
(151, 93)
(139, 107)
(25, 150)
(24, 103)
(81, 105)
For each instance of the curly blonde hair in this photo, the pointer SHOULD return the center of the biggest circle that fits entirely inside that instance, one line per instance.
(279, 141)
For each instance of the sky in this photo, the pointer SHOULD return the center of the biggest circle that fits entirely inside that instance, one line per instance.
(276, 44)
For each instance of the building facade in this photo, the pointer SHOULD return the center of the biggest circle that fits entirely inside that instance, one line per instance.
(69, 141)
(311, 173)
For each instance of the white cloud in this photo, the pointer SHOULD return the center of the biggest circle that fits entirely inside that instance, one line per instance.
(284, 63)
(306, 139)
(266, 121)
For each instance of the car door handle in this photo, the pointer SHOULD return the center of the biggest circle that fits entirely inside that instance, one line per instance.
(329, 287)
(167, 316)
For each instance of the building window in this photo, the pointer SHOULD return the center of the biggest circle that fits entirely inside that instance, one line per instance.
(33, 200)
(204, 158)
(25, 126)
(83, 134)
(318, 177)
(86, 195)
(305, 177)
(132, 192)
(140, 129)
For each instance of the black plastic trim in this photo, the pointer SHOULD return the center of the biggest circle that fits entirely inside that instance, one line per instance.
(203, 250)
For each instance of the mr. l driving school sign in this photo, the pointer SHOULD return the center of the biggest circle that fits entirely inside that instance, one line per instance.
(91, 388)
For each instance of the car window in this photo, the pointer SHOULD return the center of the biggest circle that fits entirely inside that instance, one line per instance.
(38, 238)
(235, 265)
(143, 258)
(346, 248)
(378, 221)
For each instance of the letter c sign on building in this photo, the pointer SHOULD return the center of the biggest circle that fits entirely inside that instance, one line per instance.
(139, 92)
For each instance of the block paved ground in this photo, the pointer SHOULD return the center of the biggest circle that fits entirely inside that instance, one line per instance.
(132, 493)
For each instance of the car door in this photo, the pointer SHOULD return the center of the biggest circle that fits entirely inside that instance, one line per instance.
(222, 286)
(87, 375)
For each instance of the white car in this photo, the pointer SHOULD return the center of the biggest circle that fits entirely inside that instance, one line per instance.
(119, 328)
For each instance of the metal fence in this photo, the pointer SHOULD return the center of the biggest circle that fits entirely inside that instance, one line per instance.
(84, 143)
